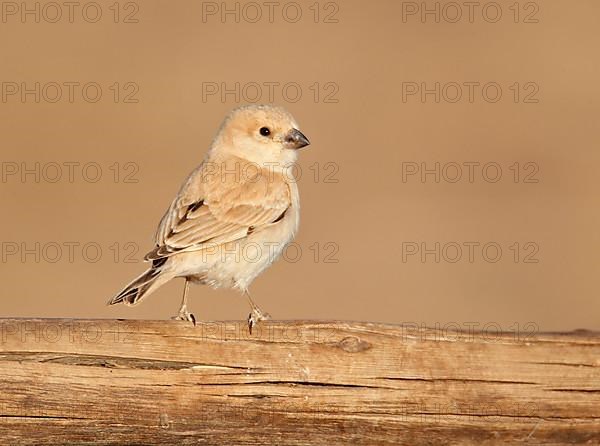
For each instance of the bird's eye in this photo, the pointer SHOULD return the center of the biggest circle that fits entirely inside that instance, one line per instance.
(264, 131)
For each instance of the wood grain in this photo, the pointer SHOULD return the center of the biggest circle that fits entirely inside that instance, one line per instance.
(117, 382)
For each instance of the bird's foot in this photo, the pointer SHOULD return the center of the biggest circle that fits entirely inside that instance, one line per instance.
(255, 317)
(185, 315)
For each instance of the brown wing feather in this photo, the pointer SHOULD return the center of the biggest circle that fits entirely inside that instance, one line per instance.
(220, 208)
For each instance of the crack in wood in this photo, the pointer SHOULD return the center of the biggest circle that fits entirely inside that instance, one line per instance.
(575, 390)
(294, 383)
(42, 417)
(566, 364)
(110, 361)
(465, 380)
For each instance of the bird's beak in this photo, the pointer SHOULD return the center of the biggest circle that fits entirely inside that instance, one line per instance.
(296, 140)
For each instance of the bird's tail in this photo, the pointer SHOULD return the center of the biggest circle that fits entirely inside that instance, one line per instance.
(146, 283)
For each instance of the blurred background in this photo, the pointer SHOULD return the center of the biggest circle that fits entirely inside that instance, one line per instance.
(451, 177)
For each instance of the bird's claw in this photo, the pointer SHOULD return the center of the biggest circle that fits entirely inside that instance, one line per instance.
(185, 315)
(255, 317)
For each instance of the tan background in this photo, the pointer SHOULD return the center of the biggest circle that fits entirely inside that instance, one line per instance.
(369, 133)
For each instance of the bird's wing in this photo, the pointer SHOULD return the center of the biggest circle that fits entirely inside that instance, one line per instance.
(217, 206)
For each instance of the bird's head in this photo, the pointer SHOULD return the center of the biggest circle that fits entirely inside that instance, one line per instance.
(262, 134)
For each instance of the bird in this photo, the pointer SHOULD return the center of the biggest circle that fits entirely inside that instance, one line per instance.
(234, 214)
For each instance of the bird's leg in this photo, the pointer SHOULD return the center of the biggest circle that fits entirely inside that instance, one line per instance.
(184, 314)
(256, 315)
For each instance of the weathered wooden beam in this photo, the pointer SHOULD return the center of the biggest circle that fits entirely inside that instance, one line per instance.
(122, 382)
